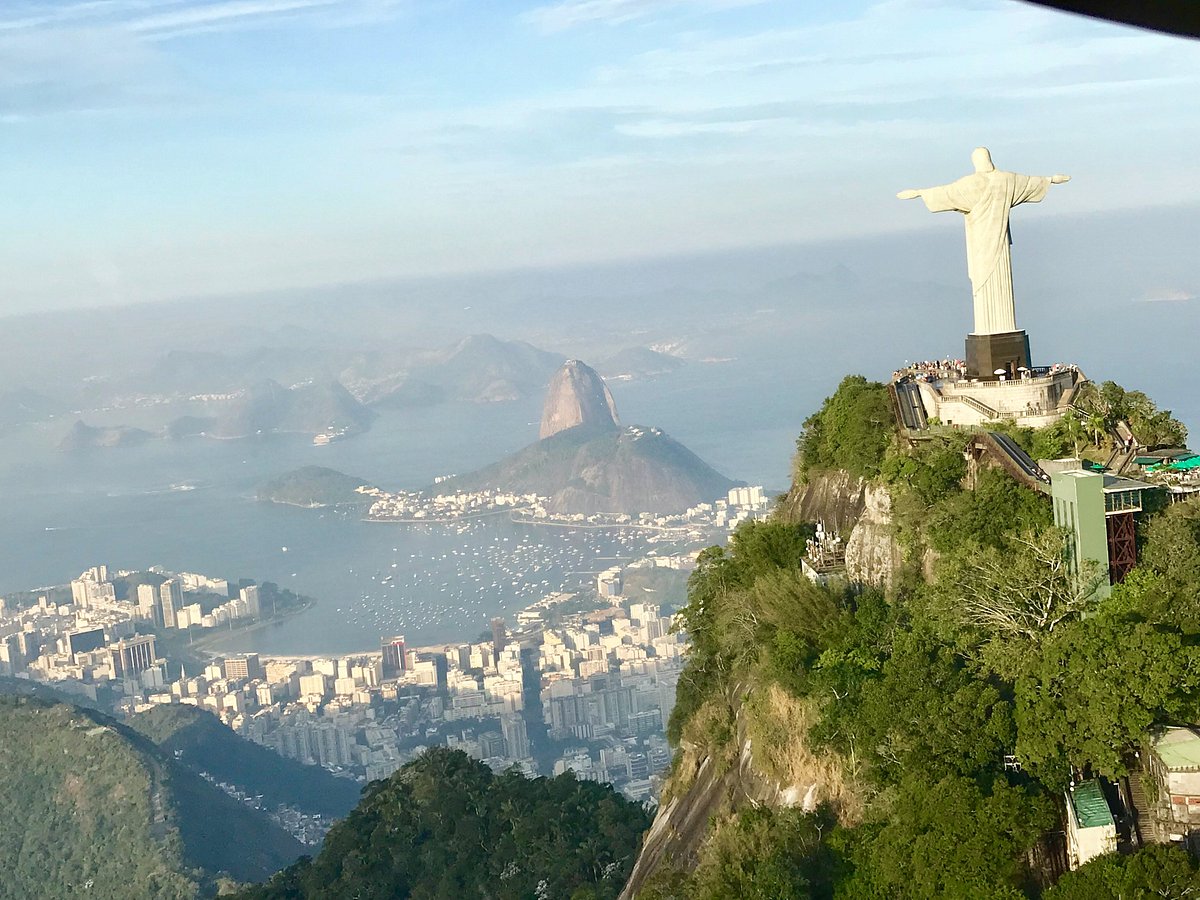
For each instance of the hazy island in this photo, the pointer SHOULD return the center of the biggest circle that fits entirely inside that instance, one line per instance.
(315, 486)
(84, 437)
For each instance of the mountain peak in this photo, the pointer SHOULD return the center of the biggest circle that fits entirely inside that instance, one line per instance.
(577, 396)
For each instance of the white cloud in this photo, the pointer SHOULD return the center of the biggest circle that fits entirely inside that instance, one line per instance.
(568, 14)
(1170, 295)
(661, 128)
(209, 14)
(173, 18)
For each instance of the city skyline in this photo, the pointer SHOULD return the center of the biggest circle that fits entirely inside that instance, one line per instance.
(162, 150)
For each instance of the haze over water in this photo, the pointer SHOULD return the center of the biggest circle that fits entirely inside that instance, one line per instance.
(127, 508)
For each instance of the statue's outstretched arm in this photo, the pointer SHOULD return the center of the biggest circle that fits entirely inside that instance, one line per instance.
(1059, 179)
(912, 195)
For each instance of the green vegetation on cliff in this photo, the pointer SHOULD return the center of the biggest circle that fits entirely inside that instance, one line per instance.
(93, 809)
(446, 826)
(902, 706)
(850, 432)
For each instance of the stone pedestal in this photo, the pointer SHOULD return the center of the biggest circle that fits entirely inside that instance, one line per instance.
(988, 352)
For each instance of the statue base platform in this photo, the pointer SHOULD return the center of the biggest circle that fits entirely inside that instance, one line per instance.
(988, 352)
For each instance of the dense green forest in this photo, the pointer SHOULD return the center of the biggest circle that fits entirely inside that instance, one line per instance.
(985, 647)
(446, 826)
(93, 809)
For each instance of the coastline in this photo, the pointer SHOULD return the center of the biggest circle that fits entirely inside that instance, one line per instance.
(297, 505)
(436, 521)
(615, 526)
(208, 642)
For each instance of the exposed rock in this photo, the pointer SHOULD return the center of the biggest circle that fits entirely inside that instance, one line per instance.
(836, 498)
(577, 396)
(705, 784)
(872, 554)
(586, 463)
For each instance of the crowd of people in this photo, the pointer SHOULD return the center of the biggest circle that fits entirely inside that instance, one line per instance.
(932, 370)
(956, 370)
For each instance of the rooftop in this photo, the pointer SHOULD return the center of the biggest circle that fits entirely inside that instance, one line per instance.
(1119, 483)
(1178, 748)
(1091, 809)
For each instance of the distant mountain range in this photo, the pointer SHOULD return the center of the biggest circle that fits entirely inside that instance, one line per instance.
(479, 369)
(20, 406)
(236, 399)
(264, 408)
(267, 407)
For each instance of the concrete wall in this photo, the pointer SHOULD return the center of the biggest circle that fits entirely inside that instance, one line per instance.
(1078, 499)
(1028, 402)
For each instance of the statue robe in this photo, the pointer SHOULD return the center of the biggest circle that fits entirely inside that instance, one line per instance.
(985, 198)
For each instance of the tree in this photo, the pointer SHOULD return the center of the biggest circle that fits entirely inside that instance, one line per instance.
(851, 431)
(951, 838)
(932, 470)
(988, 515)
(929, 712)
(721, 618)
(765, 854)
(1103, 406)
(1156, 871)
(1094, 689)
(1020, 593)
(446, 826)
(1060, 439)
(1171, 551)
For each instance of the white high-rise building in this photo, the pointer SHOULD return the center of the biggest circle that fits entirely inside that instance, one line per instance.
(170, 600)
(249, 596)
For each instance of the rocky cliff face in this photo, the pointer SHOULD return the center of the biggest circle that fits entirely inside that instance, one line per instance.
(577, 396)
(836, 498)
(767, 762)
(872, 554)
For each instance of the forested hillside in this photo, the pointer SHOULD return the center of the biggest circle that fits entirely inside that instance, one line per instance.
(198, 740)
(446, 826)
(92, 809)
(915, 740)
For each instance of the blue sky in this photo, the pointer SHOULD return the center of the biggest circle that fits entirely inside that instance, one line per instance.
(161, 148)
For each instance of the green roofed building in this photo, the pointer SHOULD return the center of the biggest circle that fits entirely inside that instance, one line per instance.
(1091, 831)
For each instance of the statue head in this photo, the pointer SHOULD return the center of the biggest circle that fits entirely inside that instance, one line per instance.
(982, 160)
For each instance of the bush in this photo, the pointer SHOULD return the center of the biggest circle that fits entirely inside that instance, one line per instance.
(851, 431)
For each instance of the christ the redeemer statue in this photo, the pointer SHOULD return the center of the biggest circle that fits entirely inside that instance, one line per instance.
(984, 199)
